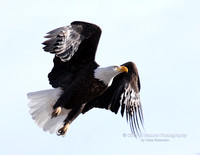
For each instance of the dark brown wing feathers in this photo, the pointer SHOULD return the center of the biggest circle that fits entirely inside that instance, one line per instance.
(74, 47)
(124, 93)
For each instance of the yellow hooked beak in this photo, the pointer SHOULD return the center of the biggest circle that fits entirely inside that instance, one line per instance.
(122, 69)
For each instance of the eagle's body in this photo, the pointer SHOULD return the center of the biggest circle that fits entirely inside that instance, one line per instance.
(73, 95)
(80, 84)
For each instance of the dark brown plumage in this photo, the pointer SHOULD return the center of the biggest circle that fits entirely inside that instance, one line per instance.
(80, 84)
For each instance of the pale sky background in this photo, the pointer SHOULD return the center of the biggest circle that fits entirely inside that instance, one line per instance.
(161, 36)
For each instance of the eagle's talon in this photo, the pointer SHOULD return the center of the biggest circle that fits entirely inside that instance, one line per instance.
(63, 130)
(56, 112)
(60, 132)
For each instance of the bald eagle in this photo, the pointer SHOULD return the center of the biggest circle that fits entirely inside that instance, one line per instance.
(80, 84)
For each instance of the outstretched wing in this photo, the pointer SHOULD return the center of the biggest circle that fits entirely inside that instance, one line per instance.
(74, 47)
(124, 93)
(64, 41)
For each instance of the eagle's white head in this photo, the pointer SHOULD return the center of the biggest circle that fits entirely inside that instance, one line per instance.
(106, 74)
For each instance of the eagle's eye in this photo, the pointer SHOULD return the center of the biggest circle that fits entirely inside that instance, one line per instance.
(116, 67)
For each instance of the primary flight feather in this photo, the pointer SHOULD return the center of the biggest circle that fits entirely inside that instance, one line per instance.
(80, 84)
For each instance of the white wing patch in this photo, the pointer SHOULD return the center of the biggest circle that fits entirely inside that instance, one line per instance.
(132, 103)
(64, 42)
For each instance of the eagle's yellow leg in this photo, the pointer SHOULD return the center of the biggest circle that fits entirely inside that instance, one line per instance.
(63, 130)
(56, 112)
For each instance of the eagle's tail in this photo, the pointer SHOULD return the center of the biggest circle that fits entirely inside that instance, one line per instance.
(41, 107)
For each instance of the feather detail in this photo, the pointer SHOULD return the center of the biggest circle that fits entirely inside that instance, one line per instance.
(41, 107)
(63, 41)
